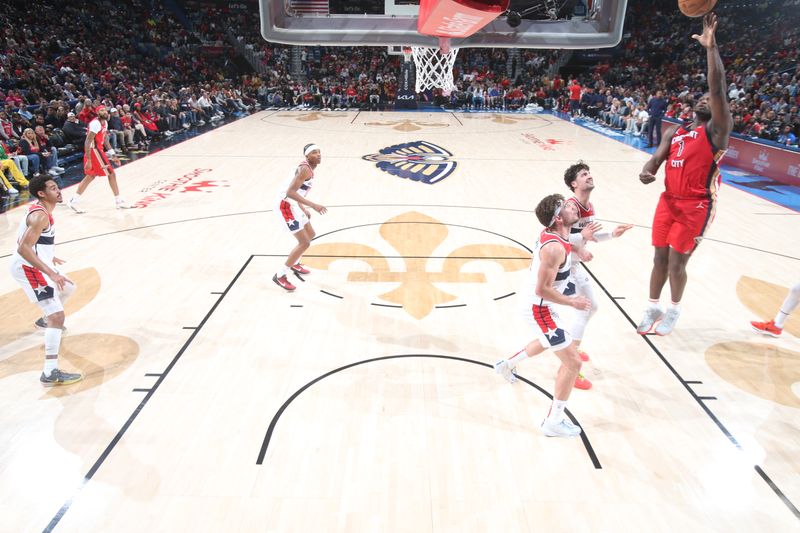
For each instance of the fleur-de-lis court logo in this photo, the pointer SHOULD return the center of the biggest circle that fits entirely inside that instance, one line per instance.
(415, 236)
(501, 119)
(408, 125)
(417, 160)
(310, 117)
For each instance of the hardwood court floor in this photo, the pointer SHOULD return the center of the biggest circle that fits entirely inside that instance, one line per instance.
(365, 401)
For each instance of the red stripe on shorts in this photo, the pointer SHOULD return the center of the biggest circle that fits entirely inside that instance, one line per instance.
(286, 211)
(541, 313)
(34, 276)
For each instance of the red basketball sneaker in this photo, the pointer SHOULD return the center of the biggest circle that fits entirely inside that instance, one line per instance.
(283, 282)
(300, 269)
(584, 355)
(767, 328)
(582, 383)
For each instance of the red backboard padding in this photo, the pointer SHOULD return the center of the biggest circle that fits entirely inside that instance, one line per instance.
(457, 18)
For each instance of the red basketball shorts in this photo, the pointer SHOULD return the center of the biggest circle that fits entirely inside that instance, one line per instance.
(681, 223)
(100, 165)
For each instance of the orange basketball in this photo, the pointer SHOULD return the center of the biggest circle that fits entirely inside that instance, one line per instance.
(696, 8)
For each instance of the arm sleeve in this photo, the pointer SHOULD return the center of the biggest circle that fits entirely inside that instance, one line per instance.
(602, 236)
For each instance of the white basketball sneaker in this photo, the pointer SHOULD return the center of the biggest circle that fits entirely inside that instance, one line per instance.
(651, 316)
(73, 204)
(502, 368)
(668, 324)
(560, 428)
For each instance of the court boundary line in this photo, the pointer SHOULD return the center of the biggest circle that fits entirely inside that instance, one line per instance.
(150, 392)
(54, 522)
(699, 399)
(104, 455)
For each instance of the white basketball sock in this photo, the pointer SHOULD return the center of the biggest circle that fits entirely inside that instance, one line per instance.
(654, 304)
(50, 364)
(515, 359)
(788, 305)
(557, 410)
(52, 340)
(52, 343)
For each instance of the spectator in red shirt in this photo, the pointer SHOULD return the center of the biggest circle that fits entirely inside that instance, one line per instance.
(350, 95)
(557, 82)
(7, 132)
(574, 98)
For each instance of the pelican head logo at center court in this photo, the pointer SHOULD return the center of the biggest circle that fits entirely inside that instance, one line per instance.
(417, 160)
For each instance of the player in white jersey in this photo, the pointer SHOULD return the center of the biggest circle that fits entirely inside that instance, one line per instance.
(544, 286)
(33, 266)
(291, 207)
(581, 183)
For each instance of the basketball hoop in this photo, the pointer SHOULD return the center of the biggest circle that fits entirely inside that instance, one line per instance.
(434, 66)
(448, 19)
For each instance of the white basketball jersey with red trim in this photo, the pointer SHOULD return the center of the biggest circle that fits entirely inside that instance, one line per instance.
(529, 294)
(45, 247)
(304, 188)
(585, 217)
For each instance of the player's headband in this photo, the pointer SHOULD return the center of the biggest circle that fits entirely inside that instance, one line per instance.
(311, 149)
(559, 205)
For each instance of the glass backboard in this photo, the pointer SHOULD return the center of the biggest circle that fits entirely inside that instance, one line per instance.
(578, 24)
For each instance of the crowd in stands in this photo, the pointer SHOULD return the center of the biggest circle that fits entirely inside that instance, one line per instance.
(158, 77)
(132, 57)
(759, 46)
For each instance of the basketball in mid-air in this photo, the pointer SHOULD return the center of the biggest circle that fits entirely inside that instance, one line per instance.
(696, 8)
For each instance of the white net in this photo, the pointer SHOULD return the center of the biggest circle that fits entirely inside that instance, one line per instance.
(434, 68)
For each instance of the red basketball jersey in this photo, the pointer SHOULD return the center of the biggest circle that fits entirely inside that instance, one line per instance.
(99, 128)
(691, 170)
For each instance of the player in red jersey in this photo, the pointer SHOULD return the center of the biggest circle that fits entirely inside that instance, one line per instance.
(95, 160)
(686, 208)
